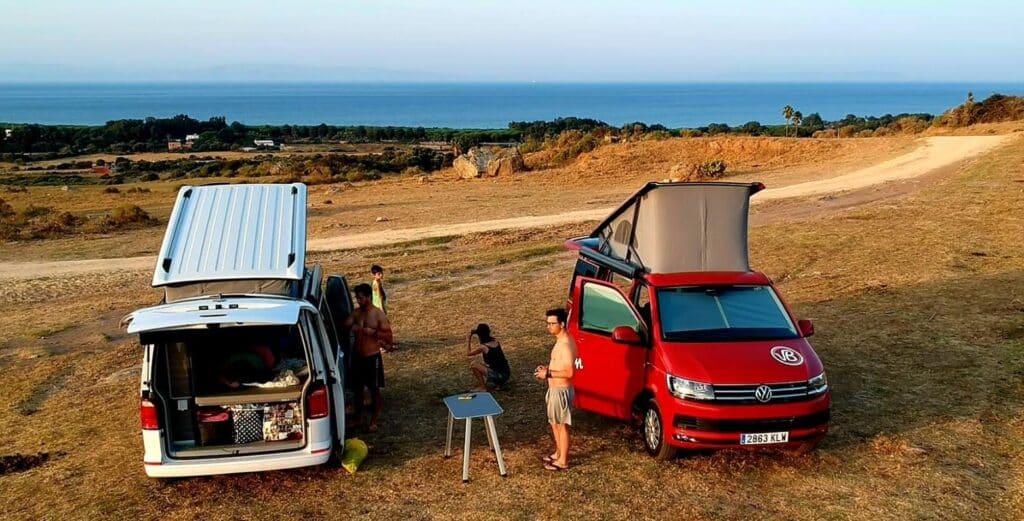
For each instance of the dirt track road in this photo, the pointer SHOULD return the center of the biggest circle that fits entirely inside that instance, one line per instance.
(932, 154)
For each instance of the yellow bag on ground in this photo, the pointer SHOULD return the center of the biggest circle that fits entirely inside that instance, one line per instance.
(355, 452)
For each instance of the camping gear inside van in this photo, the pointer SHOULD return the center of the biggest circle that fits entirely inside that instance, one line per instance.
(230, 390)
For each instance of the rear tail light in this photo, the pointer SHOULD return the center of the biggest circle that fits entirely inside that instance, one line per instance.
(148, 415)
(316, 402)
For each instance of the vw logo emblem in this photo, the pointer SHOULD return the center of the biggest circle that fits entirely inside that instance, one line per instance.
(763, 393)
(787, 355)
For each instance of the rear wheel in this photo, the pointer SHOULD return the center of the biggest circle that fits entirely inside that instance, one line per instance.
(653, 432)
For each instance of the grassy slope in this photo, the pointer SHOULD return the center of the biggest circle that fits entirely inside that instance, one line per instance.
(919, 305)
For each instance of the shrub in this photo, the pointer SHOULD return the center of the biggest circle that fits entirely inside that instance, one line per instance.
(152, 176)
(126, 215)
(32, 211)
(5, 210)
(866, 133)
(658, 135)
(55, 225)
(111, 190)
(909, 125)
(712, 169)
(16, 189)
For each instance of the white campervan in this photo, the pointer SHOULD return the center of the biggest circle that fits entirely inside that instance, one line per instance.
(243, 366)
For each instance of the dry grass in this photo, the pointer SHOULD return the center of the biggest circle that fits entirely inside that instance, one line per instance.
(918, 314)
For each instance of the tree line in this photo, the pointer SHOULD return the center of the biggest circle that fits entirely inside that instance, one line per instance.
(151, 134)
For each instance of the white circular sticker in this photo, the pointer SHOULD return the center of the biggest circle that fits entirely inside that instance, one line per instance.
(787, 355)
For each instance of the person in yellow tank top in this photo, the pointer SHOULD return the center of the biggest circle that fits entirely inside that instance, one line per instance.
(380, 297)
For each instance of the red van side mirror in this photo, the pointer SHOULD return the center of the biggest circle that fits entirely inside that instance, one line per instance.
(806, 327)
(626, 335)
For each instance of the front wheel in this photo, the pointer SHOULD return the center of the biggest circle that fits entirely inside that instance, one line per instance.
(654, 435)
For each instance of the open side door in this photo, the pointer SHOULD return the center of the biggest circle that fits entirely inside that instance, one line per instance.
(339, 302)
(609, 371)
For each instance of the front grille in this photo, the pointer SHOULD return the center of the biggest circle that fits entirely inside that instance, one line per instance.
(746, 394)
(772, 425)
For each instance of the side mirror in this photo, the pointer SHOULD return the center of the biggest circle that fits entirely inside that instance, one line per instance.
(806, 327)
(626, 335)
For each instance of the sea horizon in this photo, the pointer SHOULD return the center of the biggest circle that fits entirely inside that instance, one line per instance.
(478, 104)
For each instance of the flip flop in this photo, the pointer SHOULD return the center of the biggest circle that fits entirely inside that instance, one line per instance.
(554, 468)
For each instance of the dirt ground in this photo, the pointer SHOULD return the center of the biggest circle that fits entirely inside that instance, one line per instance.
(916, 288)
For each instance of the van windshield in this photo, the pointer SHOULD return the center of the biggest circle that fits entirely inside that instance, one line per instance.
(722, 314)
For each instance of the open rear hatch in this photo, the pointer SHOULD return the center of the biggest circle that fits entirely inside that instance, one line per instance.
(229, 376)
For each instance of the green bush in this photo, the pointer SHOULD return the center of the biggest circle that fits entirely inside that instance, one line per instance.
(712, 169)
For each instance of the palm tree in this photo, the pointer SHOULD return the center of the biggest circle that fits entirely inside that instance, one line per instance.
(787, 112)
(798, 118)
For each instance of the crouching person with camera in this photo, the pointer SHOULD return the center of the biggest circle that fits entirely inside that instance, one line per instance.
(489, 365)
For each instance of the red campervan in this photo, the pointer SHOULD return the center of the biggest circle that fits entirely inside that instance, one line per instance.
(674, 330)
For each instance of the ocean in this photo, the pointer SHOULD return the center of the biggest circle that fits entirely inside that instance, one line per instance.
(477, 105)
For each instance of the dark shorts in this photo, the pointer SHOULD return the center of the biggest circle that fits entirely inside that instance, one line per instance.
(496, 379)
(368, 372)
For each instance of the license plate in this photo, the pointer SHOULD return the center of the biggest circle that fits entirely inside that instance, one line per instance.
(764, 438)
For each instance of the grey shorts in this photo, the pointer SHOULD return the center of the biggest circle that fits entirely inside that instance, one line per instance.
(559, 402)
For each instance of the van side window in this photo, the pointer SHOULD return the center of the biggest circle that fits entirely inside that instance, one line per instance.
(603, 309)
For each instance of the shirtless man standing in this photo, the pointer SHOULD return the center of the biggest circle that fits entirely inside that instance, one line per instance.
(373, 335)
(559, 373)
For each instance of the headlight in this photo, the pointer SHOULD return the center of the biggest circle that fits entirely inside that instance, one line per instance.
(818, 384)
(682, 388)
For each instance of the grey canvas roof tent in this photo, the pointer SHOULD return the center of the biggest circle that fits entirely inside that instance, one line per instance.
(234, 239)
(676, 228)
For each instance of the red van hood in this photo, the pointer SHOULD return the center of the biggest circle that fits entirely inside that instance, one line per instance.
(748, 362)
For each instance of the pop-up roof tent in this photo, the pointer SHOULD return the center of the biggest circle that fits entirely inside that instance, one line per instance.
(678, 227)
(234, 239)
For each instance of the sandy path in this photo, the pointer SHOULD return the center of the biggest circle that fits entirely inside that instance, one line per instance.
(933, 153)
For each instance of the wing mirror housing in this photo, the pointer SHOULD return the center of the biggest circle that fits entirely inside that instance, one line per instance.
(806, 327)
(626, 335)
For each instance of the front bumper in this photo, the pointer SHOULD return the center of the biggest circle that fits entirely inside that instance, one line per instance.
(694, 425)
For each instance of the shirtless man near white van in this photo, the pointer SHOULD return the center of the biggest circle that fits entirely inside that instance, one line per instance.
(373, 335)
(559, 373)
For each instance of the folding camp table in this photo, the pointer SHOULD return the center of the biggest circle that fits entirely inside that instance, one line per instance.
(467, 406)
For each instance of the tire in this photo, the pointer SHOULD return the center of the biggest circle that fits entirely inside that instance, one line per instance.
(652, 431)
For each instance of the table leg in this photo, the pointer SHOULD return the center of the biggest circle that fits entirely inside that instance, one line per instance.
(465, 452)
(448, 440)
(490, 435)
(497, 447)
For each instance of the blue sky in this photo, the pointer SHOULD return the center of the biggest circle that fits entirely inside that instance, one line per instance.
(485, 40)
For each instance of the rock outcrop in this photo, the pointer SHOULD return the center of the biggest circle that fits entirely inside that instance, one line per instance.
(489, 162)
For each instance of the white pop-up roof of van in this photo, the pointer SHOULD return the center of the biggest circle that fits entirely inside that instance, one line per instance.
(681, 227)
(230, 232)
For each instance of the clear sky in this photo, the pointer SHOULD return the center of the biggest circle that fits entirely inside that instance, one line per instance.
(525, 40)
